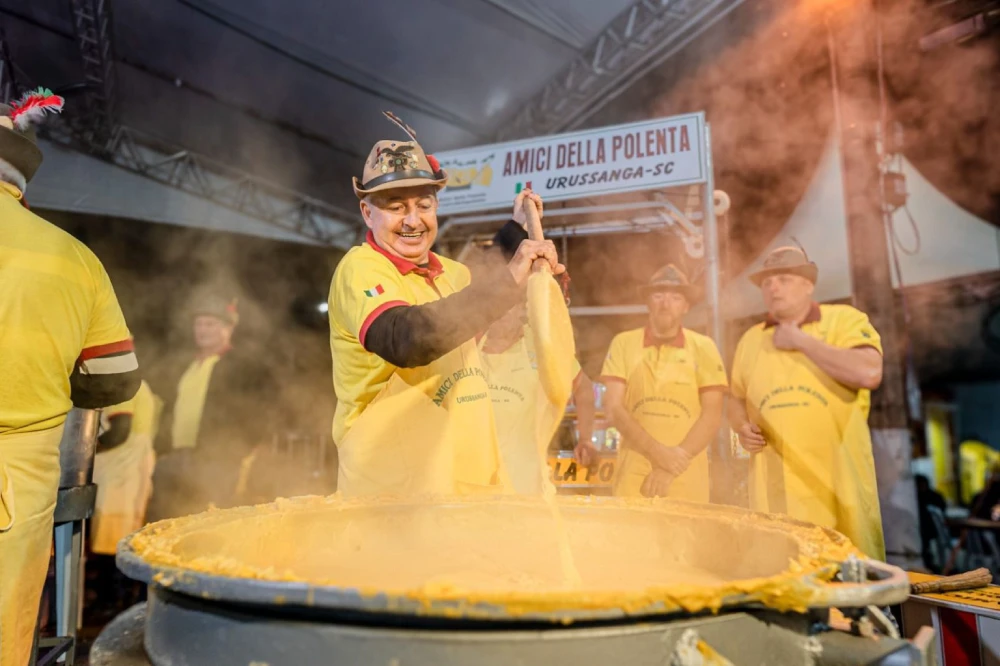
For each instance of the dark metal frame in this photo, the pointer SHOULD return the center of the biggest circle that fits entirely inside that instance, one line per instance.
(95, 130)
(92, 27)
(200, 176)
(640, 37)
(8, 84)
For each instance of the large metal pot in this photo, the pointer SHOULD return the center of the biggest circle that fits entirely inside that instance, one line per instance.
(499, 558)
(373, 581)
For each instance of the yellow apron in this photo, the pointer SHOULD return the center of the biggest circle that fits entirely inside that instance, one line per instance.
(429, 430)
(939, 445)
(29, 480)
(124, 477)
(526, 418)
(662, 395)
(978, 463)
(818, 465)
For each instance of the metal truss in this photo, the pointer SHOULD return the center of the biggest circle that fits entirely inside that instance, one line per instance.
(92, 26)
(8, 84)
(200, 176)
(640, 37)
(95, 130)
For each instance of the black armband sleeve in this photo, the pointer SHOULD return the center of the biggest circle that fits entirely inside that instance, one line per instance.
(104, 381)
(416, 335)
(117, 433)
(508, 238)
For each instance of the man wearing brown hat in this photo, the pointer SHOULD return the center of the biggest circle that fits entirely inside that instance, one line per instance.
(413, 406)
(665, 388)
(801, 385)
(63, 343)
(220, 412)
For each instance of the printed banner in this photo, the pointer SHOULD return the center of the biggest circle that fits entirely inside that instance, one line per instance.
(565, 472)
(651, 154)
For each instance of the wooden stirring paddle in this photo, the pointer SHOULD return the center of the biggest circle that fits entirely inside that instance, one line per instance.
(548, 317)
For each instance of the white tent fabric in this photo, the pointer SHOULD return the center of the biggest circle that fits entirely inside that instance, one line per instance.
(953, 242)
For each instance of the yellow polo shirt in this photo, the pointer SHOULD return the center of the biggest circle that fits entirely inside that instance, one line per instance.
(57, 309)
(190, 403)
(525, 418)
(663, 385)
(818, 463)
(449, 398)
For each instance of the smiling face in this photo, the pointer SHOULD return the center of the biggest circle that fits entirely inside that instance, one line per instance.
(786, 295)
(403, 221)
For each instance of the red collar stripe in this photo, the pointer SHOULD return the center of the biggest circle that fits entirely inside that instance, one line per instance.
(650, 340)
(404, 266)
(814, 316)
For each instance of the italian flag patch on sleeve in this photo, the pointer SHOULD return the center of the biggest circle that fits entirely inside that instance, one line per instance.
(377, 290)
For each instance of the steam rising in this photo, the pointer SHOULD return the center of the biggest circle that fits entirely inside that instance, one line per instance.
(763, 77)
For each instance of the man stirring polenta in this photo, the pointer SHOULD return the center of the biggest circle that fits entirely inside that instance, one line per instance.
(413, 406)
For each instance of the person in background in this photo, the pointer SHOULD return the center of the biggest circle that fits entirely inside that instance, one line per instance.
(123, 473)
(63, 343)
(665, 390)
(413, 407)
(123, 469)
(978, 461)
(927, 497)
(801, 385)
(523, 414)
(221, 412)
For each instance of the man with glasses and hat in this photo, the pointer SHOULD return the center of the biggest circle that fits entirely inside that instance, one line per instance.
(801, 385)
(413, 405)
(665, 390)
(63, 343)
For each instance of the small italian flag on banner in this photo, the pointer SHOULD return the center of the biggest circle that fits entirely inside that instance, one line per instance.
(377, 290)
(521, 186)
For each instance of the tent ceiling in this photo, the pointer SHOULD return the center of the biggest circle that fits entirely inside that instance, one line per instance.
(292, 91)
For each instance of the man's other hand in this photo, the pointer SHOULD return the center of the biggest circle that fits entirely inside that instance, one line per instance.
(657, 483)
(585, 454)
(520, 215)
(788, 337)
(673, 459)
(527, 252)
(751, 437)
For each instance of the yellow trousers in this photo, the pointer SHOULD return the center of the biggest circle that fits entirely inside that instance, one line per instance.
(29, 480)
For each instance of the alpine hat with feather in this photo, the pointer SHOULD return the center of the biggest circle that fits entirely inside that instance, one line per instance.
(18, 143)
(394, 164)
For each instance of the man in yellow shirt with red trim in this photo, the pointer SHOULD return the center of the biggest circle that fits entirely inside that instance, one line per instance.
(413, 406)
(801, 387)
(64, 343)
(665, 390)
